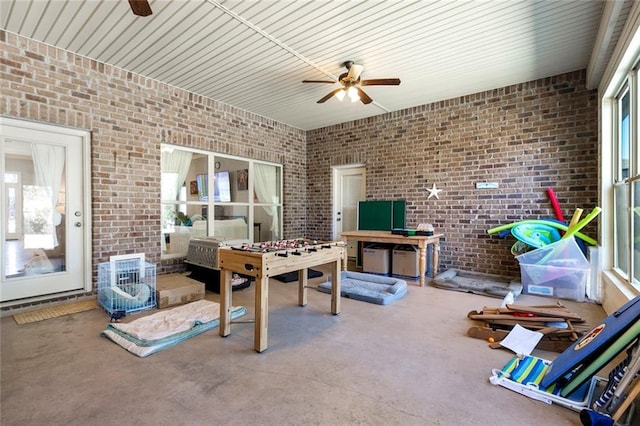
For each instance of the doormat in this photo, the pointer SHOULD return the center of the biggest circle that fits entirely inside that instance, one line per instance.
(55, 311)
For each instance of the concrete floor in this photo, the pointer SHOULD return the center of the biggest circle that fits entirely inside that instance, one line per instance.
(408, 363)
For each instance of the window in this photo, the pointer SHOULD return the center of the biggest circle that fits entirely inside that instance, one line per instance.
(210, 194)
(626, 182)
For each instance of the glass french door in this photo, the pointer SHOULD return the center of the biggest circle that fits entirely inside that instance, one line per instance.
(45, 225)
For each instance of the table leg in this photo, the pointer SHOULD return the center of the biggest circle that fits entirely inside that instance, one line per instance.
(336, 287)
(436, 257)
(262, 314)
(225, 302)
(422, 262)
(345, 259)
(303, 281)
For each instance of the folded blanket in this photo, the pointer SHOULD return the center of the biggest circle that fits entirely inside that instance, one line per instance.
(159, 331)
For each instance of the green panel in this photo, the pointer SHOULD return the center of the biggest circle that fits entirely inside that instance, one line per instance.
(399, 214)
(375, 215)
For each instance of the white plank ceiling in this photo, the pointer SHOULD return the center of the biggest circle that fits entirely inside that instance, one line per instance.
(255, 54)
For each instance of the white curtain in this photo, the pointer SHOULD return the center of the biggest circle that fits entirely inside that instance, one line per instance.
(265, 184)
(48, 162)
(175, 166)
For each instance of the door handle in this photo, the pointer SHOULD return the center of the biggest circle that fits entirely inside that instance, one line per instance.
(77, 224)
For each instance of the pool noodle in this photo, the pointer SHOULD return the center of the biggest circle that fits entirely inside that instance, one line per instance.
(584, 222)
(555, 204)
(573, 230)
(575, 218)
(560, 226)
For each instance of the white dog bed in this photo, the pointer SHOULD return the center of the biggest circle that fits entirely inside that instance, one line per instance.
(368, 287)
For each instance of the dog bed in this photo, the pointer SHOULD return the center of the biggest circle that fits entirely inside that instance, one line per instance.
(477, 283)
(135, 296)
(368, 287)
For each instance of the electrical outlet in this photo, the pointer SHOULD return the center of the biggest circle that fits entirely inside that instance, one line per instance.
(486, 185)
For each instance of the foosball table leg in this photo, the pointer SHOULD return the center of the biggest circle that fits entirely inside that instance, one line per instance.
(262, 313)
(303, 281)
(336, 288)
(225, 302)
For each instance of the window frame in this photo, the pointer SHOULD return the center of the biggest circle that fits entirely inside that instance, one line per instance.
(625, 265)
(212, 160)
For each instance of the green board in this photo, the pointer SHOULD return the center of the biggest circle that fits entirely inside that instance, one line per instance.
(381, 215)
(399, 214)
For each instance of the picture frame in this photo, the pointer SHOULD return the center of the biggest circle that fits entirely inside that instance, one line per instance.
(243, 180)
(193, 187)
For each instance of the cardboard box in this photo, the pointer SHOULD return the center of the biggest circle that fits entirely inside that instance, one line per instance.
(177, 289)
(376, 260)
(405, 262)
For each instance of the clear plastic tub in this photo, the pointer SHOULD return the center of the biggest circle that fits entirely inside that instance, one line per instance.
(557, 270)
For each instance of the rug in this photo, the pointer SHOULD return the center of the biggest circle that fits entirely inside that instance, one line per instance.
(166, 328)
(55, 311)
(293, 276)
(368, 287)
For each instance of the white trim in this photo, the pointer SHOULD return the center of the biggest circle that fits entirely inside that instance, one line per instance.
(596, 66)
(616, 291)
(85, 137)
(623, 54)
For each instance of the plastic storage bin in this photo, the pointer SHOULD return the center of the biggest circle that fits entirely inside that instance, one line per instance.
(405, 262)
(558, 270)
(376, 260)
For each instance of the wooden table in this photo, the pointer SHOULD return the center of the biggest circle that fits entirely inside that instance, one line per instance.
(422, 241)
(262, 266)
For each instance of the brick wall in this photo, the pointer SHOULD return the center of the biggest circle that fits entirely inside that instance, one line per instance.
(527, 137)
(129, 116)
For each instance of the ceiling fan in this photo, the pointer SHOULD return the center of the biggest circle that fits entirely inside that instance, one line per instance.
(351, 84)
(140, 7)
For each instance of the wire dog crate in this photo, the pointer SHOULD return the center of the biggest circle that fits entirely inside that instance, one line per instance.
(126, 284)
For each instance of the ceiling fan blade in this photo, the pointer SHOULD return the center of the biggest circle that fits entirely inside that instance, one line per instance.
(318, 81)
(140, 7)
(381, 82)
(327, 97)
(363, 96)
(354, 72)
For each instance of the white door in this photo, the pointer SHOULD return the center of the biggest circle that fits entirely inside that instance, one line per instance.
(349, 188)
(46, 246)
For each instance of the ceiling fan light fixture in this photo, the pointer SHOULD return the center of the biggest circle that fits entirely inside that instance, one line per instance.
(340, 95)
(353, 94)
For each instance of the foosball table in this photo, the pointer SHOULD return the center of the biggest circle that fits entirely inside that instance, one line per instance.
(267, 259)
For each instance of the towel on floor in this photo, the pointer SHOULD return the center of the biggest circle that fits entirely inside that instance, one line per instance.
(166, 328)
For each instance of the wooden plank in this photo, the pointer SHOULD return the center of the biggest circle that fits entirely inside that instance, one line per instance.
(485, 317)
(547, 343)
(546, 312)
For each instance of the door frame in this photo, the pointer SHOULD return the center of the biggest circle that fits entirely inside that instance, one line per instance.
(86, 262)
(337, 192)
